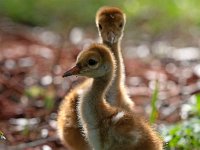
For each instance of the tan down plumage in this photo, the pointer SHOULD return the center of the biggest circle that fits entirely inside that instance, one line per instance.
(110, 23)
(108, 127)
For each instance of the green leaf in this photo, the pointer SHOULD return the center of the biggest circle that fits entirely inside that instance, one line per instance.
(26, 130)
(154, 111)
(198, 102)
(34, 91)
(49, 102)
(2, 137)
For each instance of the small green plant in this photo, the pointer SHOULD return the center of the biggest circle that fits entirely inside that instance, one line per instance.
(2, 137)
(26, 130)
(46, 94)
(185, 135)
(34, 91)
(196, 107)
(49, 101)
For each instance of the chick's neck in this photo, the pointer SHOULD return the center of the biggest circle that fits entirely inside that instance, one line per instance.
(119, 78)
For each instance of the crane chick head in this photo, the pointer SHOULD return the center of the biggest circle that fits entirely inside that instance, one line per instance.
(96, 61)
(110, 22)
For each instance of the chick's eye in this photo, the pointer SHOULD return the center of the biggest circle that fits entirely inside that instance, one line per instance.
(121, 25)
(100, 27)
(92, 62)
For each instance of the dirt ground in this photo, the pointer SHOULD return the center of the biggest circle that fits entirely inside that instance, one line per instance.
(32, 61)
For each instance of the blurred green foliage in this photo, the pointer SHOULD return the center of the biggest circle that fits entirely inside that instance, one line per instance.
(46, 94)
(185, 135)
(161, 15)
(154, 110)
(196, 107)
(43, 12)
(152, 15)
(26, 130)
(34, 91)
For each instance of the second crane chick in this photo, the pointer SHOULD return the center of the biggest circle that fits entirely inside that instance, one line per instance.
(110, 22)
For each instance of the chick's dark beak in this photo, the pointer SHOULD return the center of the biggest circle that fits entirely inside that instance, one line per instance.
(73, 71)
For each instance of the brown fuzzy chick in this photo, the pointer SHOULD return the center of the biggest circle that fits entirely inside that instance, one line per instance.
(108, 127)
(109, 20)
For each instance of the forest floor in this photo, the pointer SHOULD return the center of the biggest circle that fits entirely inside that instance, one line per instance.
(32, 61)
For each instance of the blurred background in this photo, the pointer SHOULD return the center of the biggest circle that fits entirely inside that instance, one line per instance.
(40, 39)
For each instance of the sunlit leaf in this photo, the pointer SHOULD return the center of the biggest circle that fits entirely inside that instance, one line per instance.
(34, 91)
(154, 111)
(2, 137)
(198, 102)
